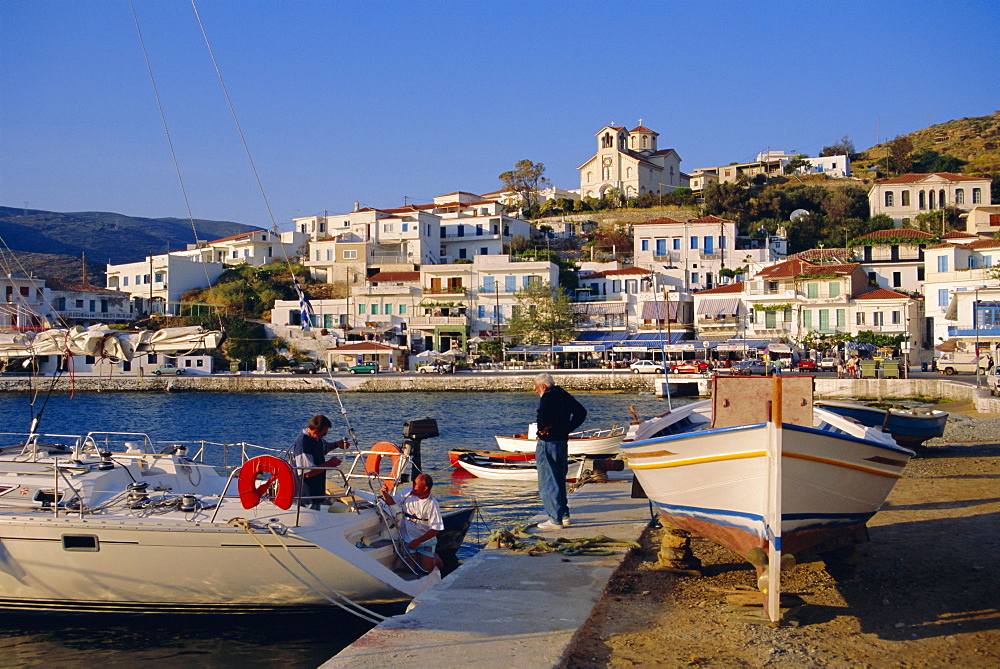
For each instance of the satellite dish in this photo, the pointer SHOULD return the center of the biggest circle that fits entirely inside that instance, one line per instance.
(797, 214)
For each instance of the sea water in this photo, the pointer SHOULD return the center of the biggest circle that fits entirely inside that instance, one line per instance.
(465, 420)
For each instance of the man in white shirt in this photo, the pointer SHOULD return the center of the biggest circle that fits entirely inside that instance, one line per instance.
(421, 520)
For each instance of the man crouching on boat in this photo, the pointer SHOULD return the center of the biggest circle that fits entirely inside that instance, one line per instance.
(421, 520)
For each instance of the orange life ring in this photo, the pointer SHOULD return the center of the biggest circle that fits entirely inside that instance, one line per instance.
(373, 463)
(282, 477)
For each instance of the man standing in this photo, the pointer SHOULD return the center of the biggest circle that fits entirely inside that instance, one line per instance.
(310, 450)
(421, 520)
(558, 414)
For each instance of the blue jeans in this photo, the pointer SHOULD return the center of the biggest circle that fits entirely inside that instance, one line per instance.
(551, 460)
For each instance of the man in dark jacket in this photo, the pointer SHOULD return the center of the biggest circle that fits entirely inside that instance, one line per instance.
(558, 414)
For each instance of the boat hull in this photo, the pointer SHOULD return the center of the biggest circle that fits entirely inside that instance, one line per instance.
(599, 445)
(513, 471)
(715, 483)
(906, 427)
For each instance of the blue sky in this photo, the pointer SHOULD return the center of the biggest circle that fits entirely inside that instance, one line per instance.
(371, 102)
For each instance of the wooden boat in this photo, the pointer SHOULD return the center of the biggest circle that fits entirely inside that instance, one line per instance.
(750, 478)
(585, 442)
(909, 427)
(499, 456)
(513, 470)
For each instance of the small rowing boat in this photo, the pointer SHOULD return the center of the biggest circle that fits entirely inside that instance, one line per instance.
(513, 471)
(909, 427)
(585, 442)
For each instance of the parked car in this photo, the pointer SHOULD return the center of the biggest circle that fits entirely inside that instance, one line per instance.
(691, 367)
(433, 368)
(306, 368)
(167, 368)
(807, 365)
(364, 368)
(828, 364)
(751, 368)
(640, 366)
(993, 380)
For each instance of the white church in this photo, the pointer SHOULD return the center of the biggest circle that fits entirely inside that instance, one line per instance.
(630, 161)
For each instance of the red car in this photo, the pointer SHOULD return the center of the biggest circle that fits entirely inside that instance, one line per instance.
(691, 367)
(808, 364)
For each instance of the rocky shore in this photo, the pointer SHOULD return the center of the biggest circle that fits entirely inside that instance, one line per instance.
(924, 591)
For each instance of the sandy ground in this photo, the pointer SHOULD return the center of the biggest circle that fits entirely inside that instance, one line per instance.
(925, 591)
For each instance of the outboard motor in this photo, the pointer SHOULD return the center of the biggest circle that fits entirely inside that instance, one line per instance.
(415, 431)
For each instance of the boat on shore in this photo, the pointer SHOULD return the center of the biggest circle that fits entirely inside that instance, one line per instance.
(759, 468)
(498, 456)
(513, 470)
(585, 442)
(909, 427)
(111, 522)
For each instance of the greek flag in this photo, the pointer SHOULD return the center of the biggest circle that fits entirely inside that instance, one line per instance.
(305, 308)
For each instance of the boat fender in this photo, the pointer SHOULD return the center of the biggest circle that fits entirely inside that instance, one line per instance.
(282, 477)
(373, 463)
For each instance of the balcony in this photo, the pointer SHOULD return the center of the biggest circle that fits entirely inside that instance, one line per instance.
(435, 321)
(96, 315)
(450, 290)
(670, 257)
(965, 331)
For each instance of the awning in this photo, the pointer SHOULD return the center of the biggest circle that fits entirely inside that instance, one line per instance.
(592, 336)
(947, 346)
(654, 311)
(599, 308)
(951, 313)
(743, 344)
(781, 348)
(719, 306)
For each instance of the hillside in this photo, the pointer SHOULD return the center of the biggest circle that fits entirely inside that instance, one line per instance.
(50, 244)
(975, 140)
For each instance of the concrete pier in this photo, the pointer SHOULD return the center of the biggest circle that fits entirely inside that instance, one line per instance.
(507, 609)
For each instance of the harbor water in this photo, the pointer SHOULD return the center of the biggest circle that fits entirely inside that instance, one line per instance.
(465, 420)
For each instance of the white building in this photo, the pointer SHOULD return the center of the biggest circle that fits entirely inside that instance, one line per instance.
(157, 283)
(26, 303)
(629, 161)
(894, 258)
(84, 304)
(256, 248)
(906, 196)
(984, 220)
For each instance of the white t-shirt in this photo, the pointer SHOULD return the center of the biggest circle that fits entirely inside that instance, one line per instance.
(419, 515)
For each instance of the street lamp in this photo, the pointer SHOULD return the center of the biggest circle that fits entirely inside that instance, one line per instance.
(975, 320)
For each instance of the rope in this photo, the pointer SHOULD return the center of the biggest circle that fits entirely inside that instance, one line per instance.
(375, 618)
(518, 540)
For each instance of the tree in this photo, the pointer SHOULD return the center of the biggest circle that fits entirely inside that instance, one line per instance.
(927, 160)
(899, 156)
(727, 200)
(544, 315)
(525, 180)
(799, 161)
(845, 147)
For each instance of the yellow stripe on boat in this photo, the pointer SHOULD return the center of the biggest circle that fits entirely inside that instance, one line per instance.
(839, 463)
(693, 461)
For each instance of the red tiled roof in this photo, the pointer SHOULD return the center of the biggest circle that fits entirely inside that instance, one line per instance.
(728, 288)
(627, 271)
(394, 276)
(79, 287)
(363, 346)
(822, 255)
(897, 233)
(913, 177)
(798, 267)
(984, 244)
(659, 221)
(711, 219)
(956, 234)
(642, 128)
(239, 236)
(882, 294)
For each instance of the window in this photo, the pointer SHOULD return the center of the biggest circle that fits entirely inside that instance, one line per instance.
(661, 247)
(895, 318)
(677, 243)
(787, 315)
(402, 310)
(694, 277)
(888, 198)
(349, 255)
(463, 253)
(807, 318)
(93, 305)
(878, 319)
(921, 200)
(387, 309)
(362, 309)
(722, 241)
(904, 198)
(406, 227)
(834, 289)
(158, 277)
(770, 319)
(812, 290)
(824, 320)
(488, 284)
(897, 279)
(943, 298)
(644, 245)
(977, 195)
(616, 285)
(841, 317)
(61, 304)
(79, 304)
(481, 311)
(860, 318)
(124, 281)
(872, 276)
(942, 263)
(920, 273)
(707, 246)
(510, 284)
(972, 262)
(317, 255)
(960, 196)
(329, 254)
(694, 242)
(987, 261)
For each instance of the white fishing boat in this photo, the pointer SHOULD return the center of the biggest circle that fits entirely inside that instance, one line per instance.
(585, 442)
(759, 468)
(113, 522)
(488, 468)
